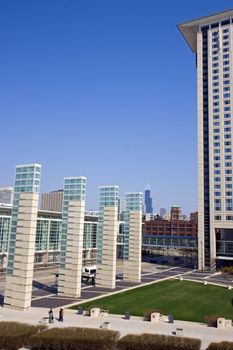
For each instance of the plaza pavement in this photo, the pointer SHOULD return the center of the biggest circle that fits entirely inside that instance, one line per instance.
(135, 325)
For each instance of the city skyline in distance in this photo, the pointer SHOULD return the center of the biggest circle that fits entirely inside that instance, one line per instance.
(86, 89)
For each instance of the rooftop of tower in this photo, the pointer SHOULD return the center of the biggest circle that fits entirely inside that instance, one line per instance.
(189, 29)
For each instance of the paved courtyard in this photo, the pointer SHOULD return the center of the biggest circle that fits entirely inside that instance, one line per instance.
(44, 293)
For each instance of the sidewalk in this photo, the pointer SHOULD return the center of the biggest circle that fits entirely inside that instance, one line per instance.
(135, 325)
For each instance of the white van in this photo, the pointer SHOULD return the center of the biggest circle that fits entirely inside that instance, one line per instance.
(89, 271)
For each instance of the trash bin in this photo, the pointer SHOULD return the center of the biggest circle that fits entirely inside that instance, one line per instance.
(80, 310)
(170, 319)
(127, 315)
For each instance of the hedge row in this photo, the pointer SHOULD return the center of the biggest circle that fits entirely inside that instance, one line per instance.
(157, 342)
(224, 345)
(74, 338)
(14, 335)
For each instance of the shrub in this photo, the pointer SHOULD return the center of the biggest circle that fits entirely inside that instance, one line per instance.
(74, 339)
(14, 335)
(212, 320)
(227, 269)
(224, 345)
(147, 313)
(157, 342)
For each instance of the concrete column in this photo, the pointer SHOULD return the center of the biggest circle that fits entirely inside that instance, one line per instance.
(70, 277)
(106, 270)
(132, 266)
(18, 288)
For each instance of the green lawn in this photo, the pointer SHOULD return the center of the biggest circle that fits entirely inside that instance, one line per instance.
(188, 301)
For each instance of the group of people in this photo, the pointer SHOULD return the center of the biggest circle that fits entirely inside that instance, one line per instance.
(51, 317)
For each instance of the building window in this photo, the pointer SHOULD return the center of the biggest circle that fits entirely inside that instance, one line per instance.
(227, 129)
(227, 143)
(216, 97)
(229, 217)
(216, 103)
(225, 63)
(227, 102)
(216, 117)
(227, 150)
(228, 171)
(225, 69)
(229, 193)
(228, 164)
(226, 82)
(217, 194)
(228, 204)
(216, 137)
(217, 204)
(226, 76)
(217, 158)
(216, 151)
(215, 91)
(227, 157)
(216, 165)
(225, 56)
(217, 217)
(216, 84)
(227, 122)
(227, 109)
(217, 172)
(228, 178)
(228, 136)
(226, 49)
(215, 110)
(217, 179)
(228, 186)
(217, 187)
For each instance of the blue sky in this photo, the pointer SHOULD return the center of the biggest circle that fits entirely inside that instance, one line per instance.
(101, 88)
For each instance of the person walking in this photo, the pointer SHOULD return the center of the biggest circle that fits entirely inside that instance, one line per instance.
(61, 313)
(50, 315)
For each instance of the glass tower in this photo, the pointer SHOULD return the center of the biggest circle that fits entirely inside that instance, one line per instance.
(27, 179)
(108, 197)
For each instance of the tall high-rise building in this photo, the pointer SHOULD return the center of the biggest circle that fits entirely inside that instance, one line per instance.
(52, 201)
(162, 212)
(148, 201)
(19, 275)
(211, 39)
(6, 195)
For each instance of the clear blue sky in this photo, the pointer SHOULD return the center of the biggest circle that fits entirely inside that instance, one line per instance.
(101, 88)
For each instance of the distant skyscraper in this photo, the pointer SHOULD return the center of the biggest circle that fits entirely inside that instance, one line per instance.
(148, 201)
(6, 195)
(175, 213)
(162, 212)
(211, 39)
(52, 201)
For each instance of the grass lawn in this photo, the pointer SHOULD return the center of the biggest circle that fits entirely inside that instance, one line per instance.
(189, 301)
